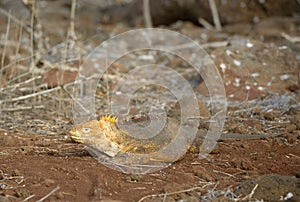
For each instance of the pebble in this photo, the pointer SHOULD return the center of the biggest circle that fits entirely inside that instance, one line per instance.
(60, 195)
(4, 199)
(22, 193)
(297, 132)
(273, 154)
(291, 138)
(290, 128)
(244, 146)
(202, 173)
(298, 174)
(49, 182)
(16, 172)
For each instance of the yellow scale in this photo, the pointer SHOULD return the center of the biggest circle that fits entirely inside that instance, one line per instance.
(105, 136)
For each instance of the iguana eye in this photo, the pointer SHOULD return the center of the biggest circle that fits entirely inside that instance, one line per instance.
(86, 130)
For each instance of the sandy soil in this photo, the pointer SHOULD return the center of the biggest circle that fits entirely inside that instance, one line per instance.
(39, 161)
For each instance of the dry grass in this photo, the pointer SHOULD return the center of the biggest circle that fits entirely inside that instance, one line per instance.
(28, 103)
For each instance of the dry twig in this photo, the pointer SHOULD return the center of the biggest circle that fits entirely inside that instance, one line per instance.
(215, 14)
(171, 193)
(16, 20)
(230, 175)
(22, 108)
(290, 38)
(147, 13)
(27, 198)
(205, 24)
(49, 194)
(31, 95)
(72, 21)
(249, 196)
(5, 44)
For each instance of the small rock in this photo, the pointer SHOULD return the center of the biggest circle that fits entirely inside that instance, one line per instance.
(202, 173)
(288, 196)
(49, 182)
(22, 193)
(246, 177)
(273, 154)
(298, 174)
(16, 172)
(245, 146)
(290, 128)
(270, 187)
(297, 132)
(4, 199)
(60, 195)
(291, 138)
(250, 73)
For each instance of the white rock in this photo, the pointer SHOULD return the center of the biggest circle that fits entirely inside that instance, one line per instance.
(237, 62)
(249, 45)
(284, 77)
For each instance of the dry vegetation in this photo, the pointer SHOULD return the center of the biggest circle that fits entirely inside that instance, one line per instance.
(38, 68)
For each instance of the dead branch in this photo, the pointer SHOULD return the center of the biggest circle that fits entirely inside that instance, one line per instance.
(36, 36)
(290, 38)
(72, 22)
(16, 20)
(147, 13)
(5, 44)
(205, 24)
(171, 193)
(29, 197)
(49, 194)
(21, 83)
(22, 108)
(249, 196)
(24, 97)
(224, 173)
(215, 14)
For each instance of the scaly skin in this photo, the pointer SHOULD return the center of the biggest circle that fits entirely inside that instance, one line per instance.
(105, 136)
